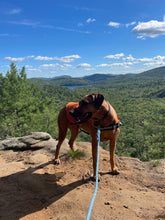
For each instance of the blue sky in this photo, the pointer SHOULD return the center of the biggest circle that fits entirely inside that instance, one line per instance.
(82, 37)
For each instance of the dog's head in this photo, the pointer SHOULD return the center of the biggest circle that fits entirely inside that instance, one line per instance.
(88, 105)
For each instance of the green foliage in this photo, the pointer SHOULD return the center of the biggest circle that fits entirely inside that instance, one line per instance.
(78, 154)
(22, 108)
(155, 163)
(61, 81)
(138, 99)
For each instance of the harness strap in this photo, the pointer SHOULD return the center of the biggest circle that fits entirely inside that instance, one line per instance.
(82, 130)
(110, 127)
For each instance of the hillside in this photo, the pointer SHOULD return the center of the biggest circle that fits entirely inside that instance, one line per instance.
(99, 77)
(32, 187)
(64, 81)
(153, 74)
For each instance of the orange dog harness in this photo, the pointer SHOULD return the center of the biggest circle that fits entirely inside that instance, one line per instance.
(69, 107)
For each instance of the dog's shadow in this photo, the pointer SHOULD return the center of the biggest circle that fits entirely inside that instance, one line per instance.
(27, 192)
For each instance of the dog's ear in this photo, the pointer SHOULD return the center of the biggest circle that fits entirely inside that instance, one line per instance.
(97, 100)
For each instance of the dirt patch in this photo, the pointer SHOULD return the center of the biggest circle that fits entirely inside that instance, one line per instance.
(32, 187)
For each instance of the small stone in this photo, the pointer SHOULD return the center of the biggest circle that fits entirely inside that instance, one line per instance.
(107, 203)
(104, 159)
(125, 206)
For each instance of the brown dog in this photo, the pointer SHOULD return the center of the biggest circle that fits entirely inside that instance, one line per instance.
(91, 112)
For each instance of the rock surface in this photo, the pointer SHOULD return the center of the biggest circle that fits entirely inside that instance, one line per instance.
(32, 187)
(34, 139)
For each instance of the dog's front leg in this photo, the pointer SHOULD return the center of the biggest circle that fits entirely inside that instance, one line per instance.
(74, 133)
(57, 160)
(112, 147)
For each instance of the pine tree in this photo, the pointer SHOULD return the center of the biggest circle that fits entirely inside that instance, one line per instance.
(19, 103)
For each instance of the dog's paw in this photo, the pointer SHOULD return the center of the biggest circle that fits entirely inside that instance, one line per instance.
(56, 161)
(93, 178)
(115, 172)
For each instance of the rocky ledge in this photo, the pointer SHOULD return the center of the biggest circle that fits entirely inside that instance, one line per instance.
(33, 140)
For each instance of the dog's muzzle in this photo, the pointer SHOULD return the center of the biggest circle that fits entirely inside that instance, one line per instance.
(77, 115)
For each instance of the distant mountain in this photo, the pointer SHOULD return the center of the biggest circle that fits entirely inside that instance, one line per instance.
(62, 77)
(65, 80)
(156, 72)
(99, 77)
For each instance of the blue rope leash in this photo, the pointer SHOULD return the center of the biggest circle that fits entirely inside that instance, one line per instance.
(97, 167)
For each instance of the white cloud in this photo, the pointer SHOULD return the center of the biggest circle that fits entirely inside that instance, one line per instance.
(35, 24)
(116, 56)
(90, 20)
(46, 66)
(141, 37)
(4, 35)
(13, 59)
(83, 65)
(5, 66)
(80, 24)
(67, 65)
(152, 64)
(72, 30)
(114, 24)
(30, 57)
(124, 64)
(151, 28)
(121, 64)
(145, 59)
(159, 58)
(53, 72)
(84, 8)
(25, 23)
(164, 18)
(103, 65)
(67, 59)
(44, 58)
(130, 24)
(14, 11)
(18, 59)
(34, 70)
(129, 58)
(131, 61)
(28, 66)
(155, 61)
(54, 65)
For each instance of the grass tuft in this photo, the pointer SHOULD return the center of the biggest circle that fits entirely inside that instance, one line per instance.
(155, 163)
(78, 154)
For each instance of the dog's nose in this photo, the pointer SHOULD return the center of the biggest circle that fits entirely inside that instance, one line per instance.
(75, 113)
(71, 112)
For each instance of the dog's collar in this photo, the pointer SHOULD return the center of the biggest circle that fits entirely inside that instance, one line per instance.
(96, 123)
